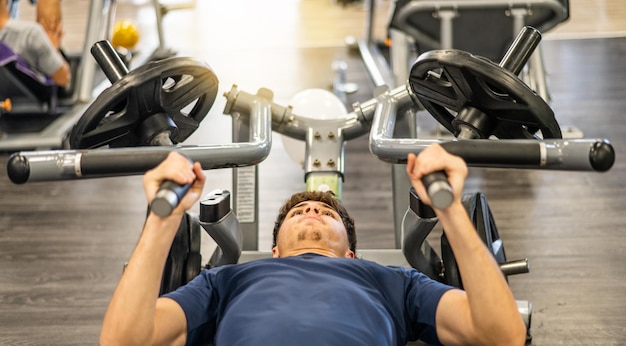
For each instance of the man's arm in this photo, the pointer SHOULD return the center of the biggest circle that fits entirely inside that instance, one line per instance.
(49, 16)
(486, 312)
(136, 316)
(62, 76)
(44, 57)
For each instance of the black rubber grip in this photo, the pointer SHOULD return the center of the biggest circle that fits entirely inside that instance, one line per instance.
(602, 156)
(438, 189)
(168, 197)
(18, 169)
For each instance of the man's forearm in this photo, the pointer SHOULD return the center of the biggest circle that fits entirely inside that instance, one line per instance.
(492, 305)
(62, 76)
(131, 312)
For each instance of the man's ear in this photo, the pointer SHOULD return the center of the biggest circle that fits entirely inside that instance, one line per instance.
(275, 253)
(349, 254)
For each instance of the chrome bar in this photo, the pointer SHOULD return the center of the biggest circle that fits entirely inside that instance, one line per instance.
(552, 154)
(52, 165)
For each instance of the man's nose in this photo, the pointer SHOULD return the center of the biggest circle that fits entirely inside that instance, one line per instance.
(311, 210)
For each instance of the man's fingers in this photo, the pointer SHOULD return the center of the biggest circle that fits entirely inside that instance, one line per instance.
(434, 159)
(199, 174)
(176, 167)
(410, 164)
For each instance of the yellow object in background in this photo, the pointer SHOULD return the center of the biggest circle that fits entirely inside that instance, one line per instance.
(6, 105)
(125, 34)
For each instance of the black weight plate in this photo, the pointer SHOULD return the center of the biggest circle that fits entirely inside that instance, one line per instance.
(183, 88)
(195, 231)
(451, 273)
(192, 266)
(175, 269)
(480, 215)
(194, 259)
(447, 81)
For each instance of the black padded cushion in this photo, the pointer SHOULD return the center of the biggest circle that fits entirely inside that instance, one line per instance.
(21, 83)
(480, 31)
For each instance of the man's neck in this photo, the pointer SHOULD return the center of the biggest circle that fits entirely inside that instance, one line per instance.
(317, 251)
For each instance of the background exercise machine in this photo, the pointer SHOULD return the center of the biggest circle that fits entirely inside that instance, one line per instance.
(416, 26)
(56, 127)
(35, 129)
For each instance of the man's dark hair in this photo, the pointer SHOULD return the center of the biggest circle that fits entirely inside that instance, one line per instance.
(325, 197)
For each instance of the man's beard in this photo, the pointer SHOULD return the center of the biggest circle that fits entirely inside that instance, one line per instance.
(313, 235)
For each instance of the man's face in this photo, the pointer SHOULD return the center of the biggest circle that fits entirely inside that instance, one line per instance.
(312, 226)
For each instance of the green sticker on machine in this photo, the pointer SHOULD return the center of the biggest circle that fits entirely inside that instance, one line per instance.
(325, 183)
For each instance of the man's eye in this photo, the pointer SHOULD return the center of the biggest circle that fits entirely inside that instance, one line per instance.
(328, 213)
(297, 212)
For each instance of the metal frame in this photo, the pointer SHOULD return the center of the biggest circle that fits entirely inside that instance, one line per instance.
(162, 51)
(380, 112)
(255, 116)
(376, 116)
(396, 71)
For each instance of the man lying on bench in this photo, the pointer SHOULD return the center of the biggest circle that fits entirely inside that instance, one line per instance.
(313, 292)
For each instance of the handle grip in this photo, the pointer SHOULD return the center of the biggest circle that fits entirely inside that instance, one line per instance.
(438, 189)
(167, 197)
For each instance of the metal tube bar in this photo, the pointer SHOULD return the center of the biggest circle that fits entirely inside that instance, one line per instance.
(72, 164)
(109, 61)
(574, 155)
(446, 15)
(515, 267)
(369, 24)
(285, 122)
(375, 64)
(567, 155)
(159, 22)
(99, 14)
(399, 56)
(366, 110)
(521, 50)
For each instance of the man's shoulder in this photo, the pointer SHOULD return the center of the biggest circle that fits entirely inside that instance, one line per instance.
(23, 26)
(22, 31)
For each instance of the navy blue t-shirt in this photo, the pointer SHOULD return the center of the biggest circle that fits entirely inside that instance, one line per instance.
(310, 300)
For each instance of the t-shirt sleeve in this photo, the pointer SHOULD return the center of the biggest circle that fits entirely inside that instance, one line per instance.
(49, 60)
(198, 299)
(422, 298)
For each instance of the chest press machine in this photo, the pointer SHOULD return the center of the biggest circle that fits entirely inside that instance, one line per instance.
(474, 97)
